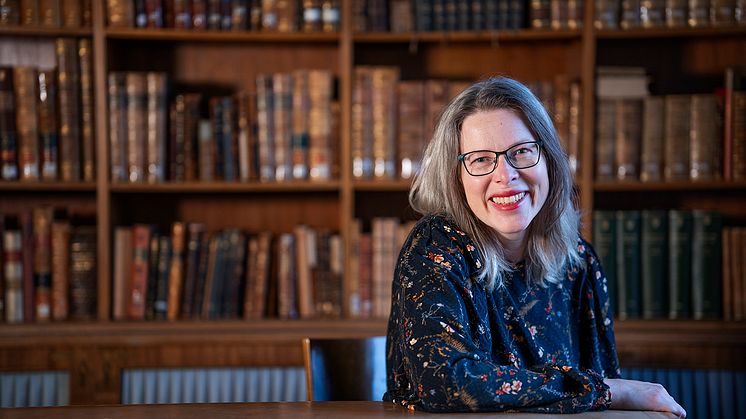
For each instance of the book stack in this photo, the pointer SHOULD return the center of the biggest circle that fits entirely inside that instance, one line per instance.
(189, 273)
(620, 14)
(49, 265)
(47, 13)
(664, 264)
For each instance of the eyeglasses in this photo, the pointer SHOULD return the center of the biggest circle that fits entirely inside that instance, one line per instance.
(484, 162)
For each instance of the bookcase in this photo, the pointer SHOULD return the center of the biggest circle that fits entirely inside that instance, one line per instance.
(680, 60)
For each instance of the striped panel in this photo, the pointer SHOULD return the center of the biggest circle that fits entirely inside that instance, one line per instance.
(213, 385)
(34, 389)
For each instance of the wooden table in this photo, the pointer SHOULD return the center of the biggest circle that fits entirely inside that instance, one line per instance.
(299, 410)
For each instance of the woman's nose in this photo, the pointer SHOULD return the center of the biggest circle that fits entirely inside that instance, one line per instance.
(504, 172)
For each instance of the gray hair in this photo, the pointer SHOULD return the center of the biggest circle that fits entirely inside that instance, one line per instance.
(552, 236)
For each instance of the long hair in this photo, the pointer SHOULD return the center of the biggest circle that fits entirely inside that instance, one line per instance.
(551, 239)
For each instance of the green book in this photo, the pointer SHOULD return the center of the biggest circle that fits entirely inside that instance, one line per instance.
(628, 226)
(654, 261)
(604, 241)
(707, 286)
(679, 264)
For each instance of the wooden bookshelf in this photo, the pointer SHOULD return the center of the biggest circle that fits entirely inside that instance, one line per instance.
(96, 351)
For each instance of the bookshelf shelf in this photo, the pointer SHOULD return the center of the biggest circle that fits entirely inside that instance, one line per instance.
(668, 186)
(225, 187)
(470, 37)
(224, 36)
(48, 186)
(654, 33)
(42, 32)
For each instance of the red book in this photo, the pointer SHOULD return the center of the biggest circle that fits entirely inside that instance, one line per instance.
(139, 281)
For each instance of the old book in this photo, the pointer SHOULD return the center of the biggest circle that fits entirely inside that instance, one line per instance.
(9, 12)
(72, 13)
(698, 14)
(50, 13)
(629, 16)
(540, 14)
(654, 254)
(120, 13)
(300, 121)
(252, 251)
(265, 127)
(560, 111)
(83, 273)
(69, 93)
(87, 13)
(26, 218)
(48, 134)
(305, 262)
(401, 16)
(334, 305)
(410, 136)
(436, 98)
(176, 271)
(24, 89)
(383, 121)
(366, 275)
(8, 133)
(87, 131)
(605, 138)
(604, 241)
(722, 12)
(42, 245)
(226, 159)
(559, 14)
(60, 237)
(676, 137)
(738, 157)
(232, 303)
(139, 280)
(320, 125)
(607, 14)
(151, 289)
(246, 124)
(28, 12)
(575, 12)
(361, 136)
(123, 263)
(282, 102)
(676, 13)
(679, 264)
(628, 264)
(13, 270)
(157, 96)
(269, 15)
(574, 135)
(738, 270)
(239, 12)
(287, 292)
(706, 265)
(194, 250)
(141, 16)
(136, 126)
(261, 276)
(206, 153)
(311, 15)
(705, 137)
(199, 15)
(160, 305)
(118, 127)
(728, 300)
(177, 152)
(651, 155)
(628, 139)
(733, 81)
(182, 14)
(154, 13)
(652, 13)
(213, 278)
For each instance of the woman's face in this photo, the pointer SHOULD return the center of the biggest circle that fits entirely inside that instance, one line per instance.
(507, 199)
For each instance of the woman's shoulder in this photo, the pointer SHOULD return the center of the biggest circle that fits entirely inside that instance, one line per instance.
(586, 252)
(440, 233)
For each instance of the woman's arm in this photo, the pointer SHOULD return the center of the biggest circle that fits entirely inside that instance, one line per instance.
(640, 395)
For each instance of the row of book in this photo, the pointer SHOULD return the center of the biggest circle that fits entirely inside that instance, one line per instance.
(46, 117)
(663, 264)
(46, 13)
(672, 137)
(227, 15)
(48, 267)
(188, 273)
(465, 15)
(285, 131)
(393, 119)
(622, 14)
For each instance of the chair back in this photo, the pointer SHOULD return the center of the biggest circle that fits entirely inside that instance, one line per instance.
(345, 369)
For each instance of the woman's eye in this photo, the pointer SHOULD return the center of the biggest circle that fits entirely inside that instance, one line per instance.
(482, 160)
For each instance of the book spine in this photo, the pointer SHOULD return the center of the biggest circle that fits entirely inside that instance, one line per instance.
(60, 233)
(87, 132)
(136, 126)
(604, 240)
(24, 85)
(679, 266)
(706, 265)
(654, 254)
(48, 134)
(123, 261)
(705, 141)
(13, 272)
(191, 280)
(156, 92)
(138, 286)
(176, 271)
(652, 139)
(72, 13)
(8, 137)
(676, 137)
(383, 108)
(117, 127)
(605, 134)
(160, 305)
(69, 88)
(83, 273)
(410, 136)
(42, 245)
(628, 264)
(628, 138)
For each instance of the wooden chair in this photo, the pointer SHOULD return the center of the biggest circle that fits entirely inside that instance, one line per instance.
(345, 369)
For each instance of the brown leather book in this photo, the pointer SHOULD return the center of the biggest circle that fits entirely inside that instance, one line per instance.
(42, 245)
(410, 135)
(676, 137)
(383, 121)
(123, 263)
(24, 90)
(176, 272)
(605, 135)
(83, 273)
(69, 92)
(48, 133)
(121, 13)
(628, 139)
(29, 12)
(72, 13)
(155, 140)
(50, 13)
(118, 127)
(320, 124)
(60, 236)
(87, 131)
(12, 263)
(705, 137)
(138, 284)
(8, 133)
(651, 156)
(135, 86)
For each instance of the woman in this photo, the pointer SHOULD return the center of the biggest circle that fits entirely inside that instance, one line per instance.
(497, 303)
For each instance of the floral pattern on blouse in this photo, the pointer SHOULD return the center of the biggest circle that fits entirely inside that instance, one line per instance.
(453, 346)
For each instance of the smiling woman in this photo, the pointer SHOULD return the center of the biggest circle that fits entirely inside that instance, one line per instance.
(497, 303)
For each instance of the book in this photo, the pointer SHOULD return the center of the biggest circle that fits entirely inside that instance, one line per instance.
(361, 141)
(83, 273)
(87, 130)
(698, 14)
(383, 121)
(628, 277)
(604, 241)
(69, 109)
(139, 281)
(706, 265)
(13, 270)
(679, 266)
(629, 15)
(120, 13)
(607, 14)
(47, 119)
(605, 138)
(411, 133)
(628, 139)
(155, 131)
(676, 13)
(117, 127)
(136, 126)
(8, 136)
(60, 238)
(705, 137)
(676, 138)
(160, 304)
(654, 264)
(123, 262)
(651, 155)
(24, 91)
(652, 13)
(320, 125)
(194, 250)
(72, 13)
(42, 248)
(176, 270)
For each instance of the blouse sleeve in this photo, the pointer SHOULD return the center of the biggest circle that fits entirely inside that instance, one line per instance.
(598, 344)
(446, 368)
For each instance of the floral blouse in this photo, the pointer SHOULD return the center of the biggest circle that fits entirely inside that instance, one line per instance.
(453, 346)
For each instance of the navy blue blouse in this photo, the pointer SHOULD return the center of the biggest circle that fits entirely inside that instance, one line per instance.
(453, 346)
